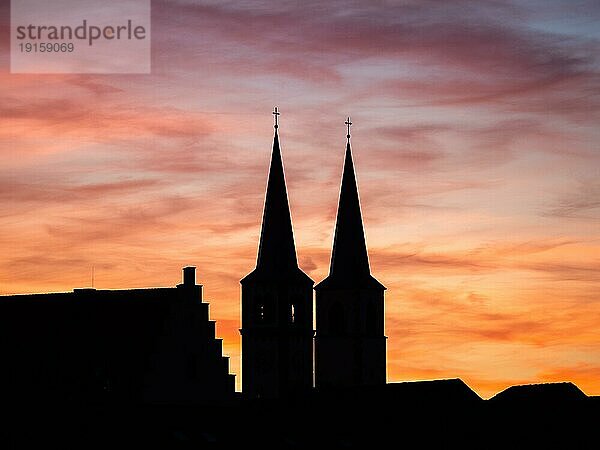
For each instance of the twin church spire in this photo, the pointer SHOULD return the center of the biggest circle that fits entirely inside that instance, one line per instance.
(281, 353)
(277, 250)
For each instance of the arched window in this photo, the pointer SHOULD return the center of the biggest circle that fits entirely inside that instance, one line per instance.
(337, 319)
(371, 318)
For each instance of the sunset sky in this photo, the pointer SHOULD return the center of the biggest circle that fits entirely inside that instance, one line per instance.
(476, 141)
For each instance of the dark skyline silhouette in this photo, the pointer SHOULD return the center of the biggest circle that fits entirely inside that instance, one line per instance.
(475, 143)
(143, 366)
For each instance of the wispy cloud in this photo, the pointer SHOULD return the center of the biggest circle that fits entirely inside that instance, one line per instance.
(582, 202)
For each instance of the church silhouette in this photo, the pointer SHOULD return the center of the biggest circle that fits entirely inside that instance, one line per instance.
(143, 367)
(277, 314)
(158, 345)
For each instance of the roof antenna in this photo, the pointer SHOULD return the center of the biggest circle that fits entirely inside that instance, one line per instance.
(92, 277)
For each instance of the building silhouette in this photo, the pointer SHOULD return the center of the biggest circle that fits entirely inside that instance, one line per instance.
(154, 345)
(277, 335)
(142, 367)
(277, 302)
(350, 345)
(158, 345)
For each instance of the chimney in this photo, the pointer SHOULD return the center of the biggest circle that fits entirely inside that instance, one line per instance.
(189, 276)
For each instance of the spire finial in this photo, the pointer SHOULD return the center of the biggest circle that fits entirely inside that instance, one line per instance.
(347, 122)
(276, 113)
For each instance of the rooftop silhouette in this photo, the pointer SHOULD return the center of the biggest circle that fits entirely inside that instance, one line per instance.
(143, 367)
(542, 392)
(154, 345)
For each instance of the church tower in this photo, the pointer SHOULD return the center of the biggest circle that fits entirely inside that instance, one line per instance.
(350, 345)
(277, 315)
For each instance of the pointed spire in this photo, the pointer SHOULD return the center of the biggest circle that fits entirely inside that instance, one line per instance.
(277, 251)
(349, 255)
(349, 258)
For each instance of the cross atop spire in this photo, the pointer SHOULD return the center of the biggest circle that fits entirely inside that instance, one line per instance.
(276, 113)
(348, 123)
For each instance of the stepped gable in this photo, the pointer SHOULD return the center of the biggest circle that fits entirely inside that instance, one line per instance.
(131, 345)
